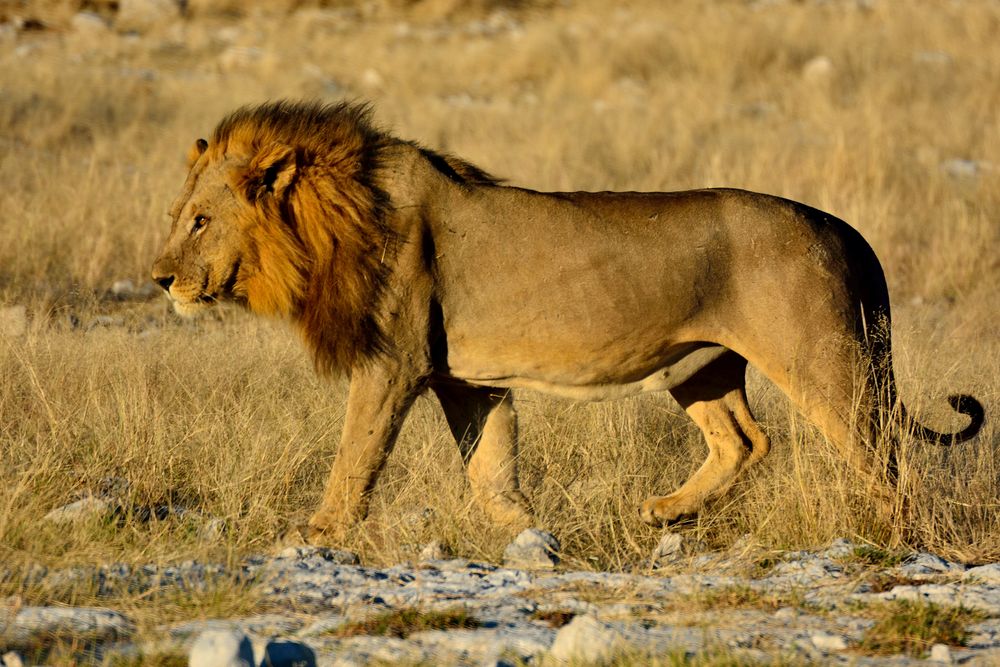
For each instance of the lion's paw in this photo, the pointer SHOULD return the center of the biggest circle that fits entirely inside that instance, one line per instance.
(325, 530)
(510, 509)
(666, 510)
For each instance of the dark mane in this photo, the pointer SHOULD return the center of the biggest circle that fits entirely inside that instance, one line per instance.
(457, 169)
(327, 236)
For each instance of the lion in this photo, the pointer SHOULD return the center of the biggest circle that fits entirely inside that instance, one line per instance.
(412, 270)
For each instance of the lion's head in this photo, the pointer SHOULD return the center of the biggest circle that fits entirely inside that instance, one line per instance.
(280, 213)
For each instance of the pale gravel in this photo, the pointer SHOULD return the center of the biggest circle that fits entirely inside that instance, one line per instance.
(312, 591)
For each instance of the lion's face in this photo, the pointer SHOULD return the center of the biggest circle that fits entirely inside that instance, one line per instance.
(212, 252)
(204, 256)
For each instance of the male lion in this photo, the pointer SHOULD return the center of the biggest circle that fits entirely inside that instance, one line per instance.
(412, 270)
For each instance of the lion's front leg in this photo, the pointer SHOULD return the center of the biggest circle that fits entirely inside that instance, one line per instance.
(378, 401)
(484, 423)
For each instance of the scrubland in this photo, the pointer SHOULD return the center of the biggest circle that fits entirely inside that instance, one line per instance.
(882, 113)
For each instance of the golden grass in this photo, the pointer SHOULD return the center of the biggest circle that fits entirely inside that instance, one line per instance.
(914, 627)
(225, 417)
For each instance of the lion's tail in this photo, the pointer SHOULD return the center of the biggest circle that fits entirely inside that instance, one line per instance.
(964, 404)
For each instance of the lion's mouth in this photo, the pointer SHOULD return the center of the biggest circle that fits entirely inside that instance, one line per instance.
(228, 291)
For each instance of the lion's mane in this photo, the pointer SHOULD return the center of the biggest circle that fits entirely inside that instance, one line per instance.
(320, 253)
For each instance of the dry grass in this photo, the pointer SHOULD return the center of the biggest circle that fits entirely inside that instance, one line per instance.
(406, 621)
(225, 416)
(914, 627)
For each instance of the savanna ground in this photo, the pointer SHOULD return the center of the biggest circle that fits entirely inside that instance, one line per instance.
(882, 113)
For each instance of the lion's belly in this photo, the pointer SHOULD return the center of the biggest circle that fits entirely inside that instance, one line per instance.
(587, 379)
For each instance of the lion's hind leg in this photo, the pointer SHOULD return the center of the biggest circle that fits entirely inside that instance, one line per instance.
(715, 398)
(484, 423)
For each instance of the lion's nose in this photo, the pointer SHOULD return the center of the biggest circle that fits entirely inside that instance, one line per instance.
(164, 281)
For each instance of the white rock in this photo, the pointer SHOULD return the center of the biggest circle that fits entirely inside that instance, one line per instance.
(827, 642)
(587, 640)
(669, 549)
(144, 15)
(940, 653)
(85, 509)
(338, 556)
(88, 23)
(220, 648)
(33, 622)
(123, 289)
(988, 574)
(533, 548)
(285, 653)
(924, 563)
(13, 321)
(840, 548)
(787, 613)
(817, 69)
(435, 550)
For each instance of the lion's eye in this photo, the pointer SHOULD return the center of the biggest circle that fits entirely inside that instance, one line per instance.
(199, 222)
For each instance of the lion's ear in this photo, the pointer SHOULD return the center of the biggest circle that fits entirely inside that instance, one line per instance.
(196, 151)
(272, 170)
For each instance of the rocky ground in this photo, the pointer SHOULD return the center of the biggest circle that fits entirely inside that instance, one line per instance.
(835, 606)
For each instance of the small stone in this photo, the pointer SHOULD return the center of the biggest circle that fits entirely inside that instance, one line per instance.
(669, 549)
(532, 549)
(302, 552)
(923, 564)
(212, 530)
(586, 640)
(11, 659)
(817, 69)
(32, 623)
(787, 613)
(86, 509)
(13, 321)
(123, 289)
(827, 642)
(435, 550)
(840, 548)
(105, 321)
(239, 57)
(941, 653)
(88, 23)
(988, 574)
(221, 648)
(961, 168)
(144, 15)
(286, 653)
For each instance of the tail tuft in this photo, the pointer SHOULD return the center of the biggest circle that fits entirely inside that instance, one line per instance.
(972, 408)
(964, 404)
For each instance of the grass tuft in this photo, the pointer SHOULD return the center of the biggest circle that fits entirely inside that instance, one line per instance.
(904, 626)
(555, 618)
(402, 623)
(876, 556)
